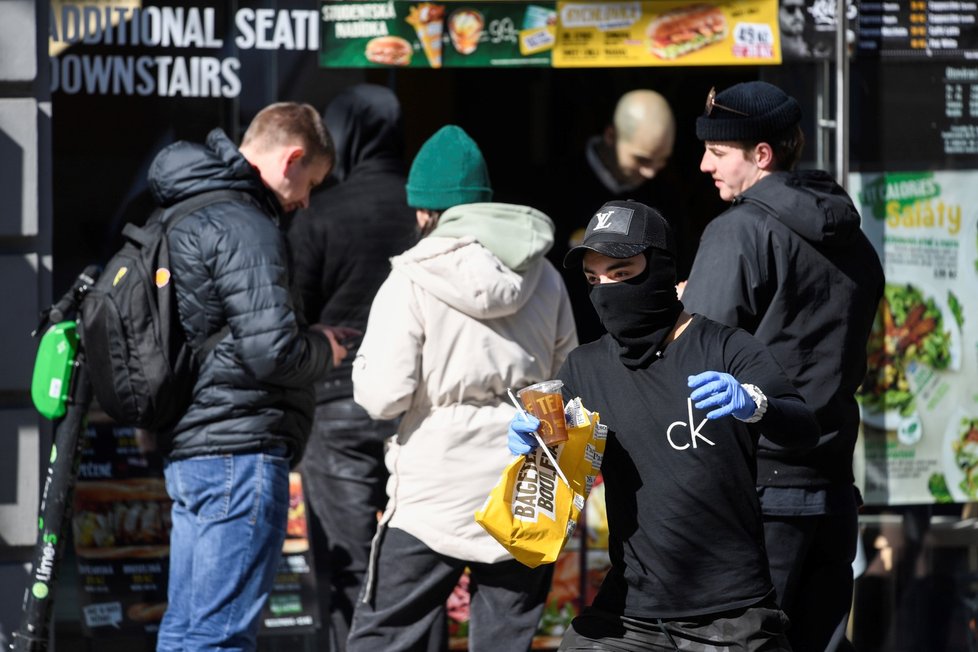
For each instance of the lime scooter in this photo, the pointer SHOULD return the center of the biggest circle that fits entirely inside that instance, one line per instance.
(61, 391)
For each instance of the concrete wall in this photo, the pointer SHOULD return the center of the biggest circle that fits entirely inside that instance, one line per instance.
(25, 280)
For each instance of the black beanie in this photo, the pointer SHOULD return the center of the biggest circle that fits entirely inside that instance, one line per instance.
(768, 111)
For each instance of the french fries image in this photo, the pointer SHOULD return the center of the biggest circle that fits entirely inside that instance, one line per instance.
(428, 21)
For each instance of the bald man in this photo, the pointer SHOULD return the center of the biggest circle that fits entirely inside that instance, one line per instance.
(628, 160)
(637, 145)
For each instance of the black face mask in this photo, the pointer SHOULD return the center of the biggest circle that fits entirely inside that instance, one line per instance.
(640, 312)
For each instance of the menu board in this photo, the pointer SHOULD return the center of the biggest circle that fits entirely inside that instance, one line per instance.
(915, 29)
(959, 133)
(667, 33)
(436, 34)
(919, 402)
(293, 603)
(121, 529)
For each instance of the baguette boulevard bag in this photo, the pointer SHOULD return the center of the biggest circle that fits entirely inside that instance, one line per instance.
(532, 511)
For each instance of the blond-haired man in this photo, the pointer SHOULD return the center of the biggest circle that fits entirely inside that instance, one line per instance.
(227, 459)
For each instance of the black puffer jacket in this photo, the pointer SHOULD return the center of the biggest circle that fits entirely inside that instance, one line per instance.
(789, 264)
(230, 266)
(343, 242)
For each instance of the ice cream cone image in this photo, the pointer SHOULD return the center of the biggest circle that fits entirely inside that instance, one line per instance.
(427, 19)
(465, 28)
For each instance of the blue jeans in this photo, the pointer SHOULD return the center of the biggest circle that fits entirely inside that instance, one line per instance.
(229, 515)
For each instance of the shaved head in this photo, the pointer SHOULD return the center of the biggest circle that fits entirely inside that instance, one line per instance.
(644, 134)
(643, 110)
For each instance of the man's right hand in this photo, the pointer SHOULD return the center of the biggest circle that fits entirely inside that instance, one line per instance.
(521, 436)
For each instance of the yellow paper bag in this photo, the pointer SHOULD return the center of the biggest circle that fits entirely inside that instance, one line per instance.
(531, 511)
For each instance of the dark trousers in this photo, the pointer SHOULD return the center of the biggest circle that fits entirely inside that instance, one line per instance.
(344, 478)
(754, 629)
(811, 568)
(405, 609)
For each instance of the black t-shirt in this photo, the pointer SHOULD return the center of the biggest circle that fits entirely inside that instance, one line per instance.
(685, 525)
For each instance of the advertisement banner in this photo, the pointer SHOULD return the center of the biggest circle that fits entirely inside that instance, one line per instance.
(436, 34)
(121, 530)
(919, 401)
(667, 33)
(293, 604)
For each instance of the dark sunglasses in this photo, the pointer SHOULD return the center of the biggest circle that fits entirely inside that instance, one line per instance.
(711, 103)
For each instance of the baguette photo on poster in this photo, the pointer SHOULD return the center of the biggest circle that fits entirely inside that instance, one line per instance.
(686, 29)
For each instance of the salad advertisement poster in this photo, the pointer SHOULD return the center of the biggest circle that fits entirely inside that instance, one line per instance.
(919, 401)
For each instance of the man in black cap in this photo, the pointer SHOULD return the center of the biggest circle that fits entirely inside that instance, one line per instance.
(685, 534)
(788, 263)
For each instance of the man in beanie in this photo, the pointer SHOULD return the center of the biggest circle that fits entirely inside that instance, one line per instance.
(686, 400)
(788, 263)
(340, 262)
(472, 309)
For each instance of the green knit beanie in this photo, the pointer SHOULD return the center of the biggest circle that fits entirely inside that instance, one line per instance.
(449, 170)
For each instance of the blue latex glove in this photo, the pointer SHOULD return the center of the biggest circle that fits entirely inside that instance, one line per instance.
(520, 436)
(720, 390)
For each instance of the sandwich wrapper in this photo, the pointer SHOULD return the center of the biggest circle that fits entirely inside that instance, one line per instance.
(531, 511)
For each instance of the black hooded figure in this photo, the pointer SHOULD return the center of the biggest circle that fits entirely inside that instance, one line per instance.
(341, 246)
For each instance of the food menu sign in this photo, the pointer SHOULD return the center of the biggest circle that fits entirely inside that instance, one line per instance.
(436, 34)
(919, 401)
(919, 29)
(611, 34)
(121, 531)
(293, 603)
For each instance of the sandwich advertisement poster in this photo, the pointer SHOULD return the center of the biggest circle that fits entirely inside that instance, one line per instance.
(121, 533)
(611, 34)
(436, 34)
(919, 399)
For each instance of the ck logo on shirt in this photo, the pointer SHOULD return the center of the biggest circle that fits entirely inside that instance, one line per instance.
(616, 220)
(683, 435)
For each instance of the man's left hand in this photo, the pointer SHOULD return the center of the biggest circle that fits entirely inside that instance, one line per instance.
(720, 390)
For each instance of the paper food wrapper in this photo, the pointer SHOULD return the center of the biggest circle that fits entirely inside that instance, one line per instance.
(428, 21)
(531, 511)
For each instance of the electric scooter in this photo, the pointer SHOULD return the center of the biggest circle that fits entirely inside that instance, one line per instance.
(61, 391)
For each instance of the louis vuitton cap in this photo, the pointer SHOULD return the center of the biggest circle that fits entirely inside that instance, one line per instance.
(622, 229)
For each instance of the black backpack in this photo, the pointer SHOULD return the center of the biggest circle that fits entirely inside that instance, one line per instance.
(141, 365)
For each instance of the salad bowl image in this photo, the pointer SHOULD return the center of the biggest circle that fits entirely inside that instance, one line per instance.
(960, 456)
(913, 328)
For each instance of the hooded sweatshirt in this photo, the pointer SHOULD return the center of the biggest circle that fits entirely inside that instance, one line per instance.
(789, 263)
(341, 244)
(471, 310)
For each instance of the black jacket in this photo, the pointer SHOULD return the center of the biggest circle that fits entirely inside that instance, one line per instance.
(789, 263)
(230, 266)
(343, 242)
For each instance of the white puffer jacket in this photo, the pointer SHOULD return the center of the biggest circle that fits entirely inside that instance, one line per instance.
(449, 331)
